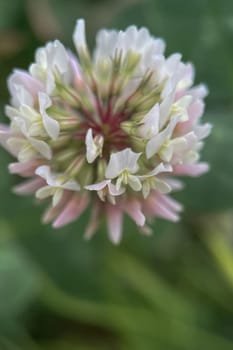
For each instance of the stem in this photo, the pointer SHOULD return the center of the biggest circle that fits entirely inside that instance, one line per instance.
(137, 321)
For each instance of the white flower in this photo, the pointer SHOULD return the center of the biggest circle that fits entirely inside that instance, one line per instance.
(24, 145)
(106, 189)
(151, 181)
(56, 184)
(156, 142)
(133, 40)
(52, 62)
(121, 166)
(180, 107)
(36, 123)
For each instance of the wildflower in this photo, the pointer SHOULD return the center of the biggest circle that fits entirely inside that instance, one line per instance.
(110, 130)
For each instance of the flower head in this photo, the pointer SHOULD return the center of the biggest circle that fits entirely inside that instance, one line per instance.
(110, 130)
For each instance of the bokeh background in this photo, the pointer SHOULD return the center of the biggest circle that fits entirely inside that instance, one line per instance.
(172, 291)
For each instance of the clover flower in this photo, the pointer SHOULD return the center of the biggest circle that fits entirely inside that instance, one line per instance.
(111, 131)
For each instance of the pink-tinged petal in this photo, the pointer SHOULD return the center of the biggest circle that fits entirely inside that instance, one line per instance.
(29, 186)
(170, 202)
(195, 111)
(23, 88)
(5, 133)
(24, 169)
(72, 211)
(114, 221)
(164, 212)
(156, 206)
(199, 91)
(76, 69)
(21, 77)
(93, 222)
(194, 169)
(133, 209)
(52, 212)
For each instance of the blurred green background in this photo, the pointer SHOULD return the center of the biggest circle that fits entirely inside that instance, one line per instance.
(172, 291)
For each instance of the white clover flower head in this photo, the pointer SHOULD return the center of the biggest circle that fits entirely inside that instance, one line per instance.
(110, 130)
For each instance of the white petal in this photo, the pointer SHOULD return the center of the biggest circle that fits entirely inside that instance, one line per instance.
(57, 197)
(161, 168)
(26, 152)
(199, 91)
(162, 186)
(134, 183)
(52, 60)
(151, 123)
(202, 131)
(157, 141)
(123, 160)
(79, 36)
(166, 152)
(91, 148)
(13, 144)
(98, 186)
(70, 185)
(54, 180)
(165, 108)
(60, 59)
(51, 125)
(41, 147)
(172, 63)
(180, 107)
(113, 190)
(146, 189)
(44, 172)
(44, 192)
(21, 96)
